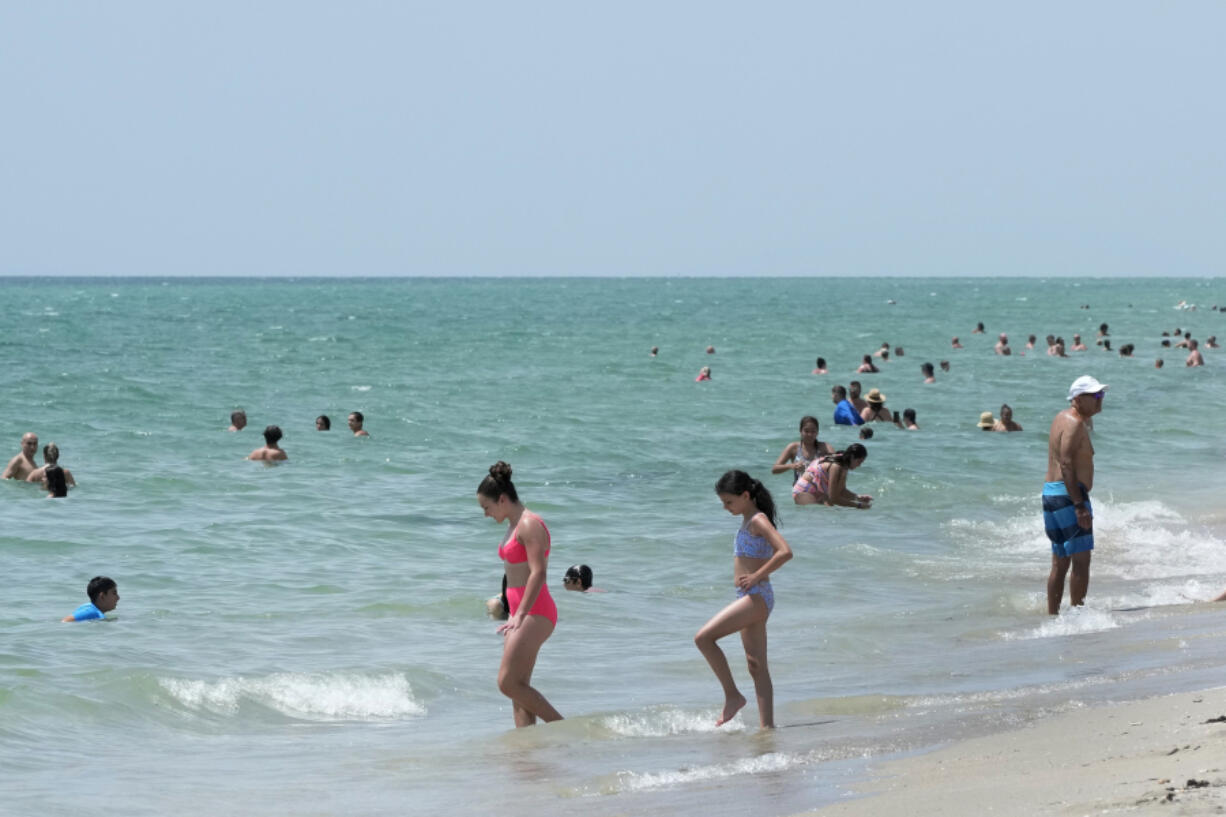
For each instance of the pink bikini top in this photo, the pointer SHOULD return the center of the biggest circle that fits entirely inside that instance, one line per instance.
(513, 551)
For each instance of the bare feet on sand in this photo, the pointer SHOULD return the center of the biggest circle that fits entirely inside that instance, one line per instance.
(731, 707)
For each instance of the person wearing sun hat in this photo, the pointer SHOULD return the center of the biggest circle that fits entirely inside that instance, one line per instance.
(1068, 516)
(986, 421)
(875, 411)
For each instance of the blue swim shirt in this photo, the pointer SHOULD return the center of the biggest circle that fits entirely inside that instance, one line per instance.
(845, 414)
(86, 612)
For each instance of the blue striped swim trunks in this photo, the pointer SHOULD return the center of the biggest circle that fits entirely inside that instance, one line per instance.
(1060, 521)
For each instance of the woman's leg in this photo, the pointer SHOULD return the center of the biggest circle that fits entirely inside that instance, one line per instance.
(515, 674)
(804, 498)
(736, 616)
(753, 638)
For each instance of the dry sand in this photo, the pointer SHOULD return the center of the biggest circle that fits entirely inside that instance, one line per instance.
(1155, 756)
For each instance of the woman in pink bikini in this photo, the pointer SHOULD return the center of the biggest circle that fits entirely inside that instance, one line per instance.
(533, 615)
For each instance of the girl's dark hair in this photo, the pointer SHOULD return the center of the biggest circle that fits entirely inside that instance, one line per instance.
(57, 484)
(327, 421)
(498, 484)
(926, 368)
(821, 363)
(272, 434)
(855, 451)
(738, 482)
(506, 606)
(808, 419)
(909, 414)
(581, 572)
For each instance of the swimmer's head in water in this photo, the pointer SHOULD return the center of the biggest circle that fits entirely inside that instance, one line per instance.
(497, 484)
(51, 453)
(103, 593)
(809, 421)
(945, 365)
(29, 443)
(355, 420)
(866, 432)
(578, 577)
(238, 419)
(927, 369)
(323, 423)
(272, 434)
(839, 393)
(853, 388)
(908, 415)
(821, 363)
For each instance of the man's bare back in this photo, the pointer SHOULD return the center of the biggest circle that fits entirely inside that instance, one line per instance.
(1070, 455)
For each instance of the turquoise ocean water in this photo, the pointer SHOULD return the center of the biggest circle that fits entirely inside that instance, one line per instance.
(310, 638)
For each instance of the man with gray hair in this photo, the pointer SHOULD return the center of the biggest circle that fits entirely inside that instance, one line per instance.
(1068, 517)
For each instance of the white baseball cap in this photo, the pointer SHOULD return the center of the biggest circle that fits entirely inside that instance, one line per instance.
(1085, 384)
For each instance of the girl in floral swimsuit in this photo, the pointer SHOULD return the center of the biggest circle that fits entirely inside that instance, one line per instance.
(825, 480)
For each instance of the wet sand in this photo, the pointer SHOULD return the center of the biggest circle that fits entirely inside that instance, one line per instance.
(1165, 753)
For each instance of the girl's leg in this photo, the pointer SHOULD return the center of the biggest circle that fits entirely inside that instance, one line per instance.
(519, 653)
(736, 616)
(754, 639)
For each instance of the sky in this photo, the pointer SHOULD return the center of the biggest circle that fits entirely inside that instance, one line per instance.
(582, 139)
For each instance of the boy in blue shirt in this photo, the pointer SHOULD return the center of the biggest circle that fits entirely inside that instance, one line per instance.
(103, 596)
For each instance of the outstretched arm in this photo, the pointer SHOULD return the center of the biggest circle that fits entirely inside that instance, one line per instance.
(839, 493)
(785, 461)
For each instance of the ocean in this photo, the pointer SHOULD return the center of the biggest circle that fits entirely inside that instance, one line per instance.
(311, 638)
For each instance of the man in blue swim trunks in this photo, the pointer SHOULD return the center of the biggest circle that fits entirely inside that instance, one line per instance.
(1067, 515)
(103, 596)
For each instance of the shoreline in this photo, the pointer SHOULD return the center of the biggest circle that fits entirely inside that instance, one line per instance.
(1113, 757)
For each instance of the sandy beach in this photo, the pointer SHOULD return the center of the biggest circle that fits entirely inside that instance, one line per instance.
(1164, 755)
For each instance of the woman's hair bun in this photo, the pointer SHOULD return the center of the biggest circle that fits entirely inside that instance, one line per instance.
(501, 471)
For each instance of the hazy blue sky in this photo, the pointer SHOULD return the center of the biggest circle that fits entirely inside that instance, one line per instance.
(570, 138)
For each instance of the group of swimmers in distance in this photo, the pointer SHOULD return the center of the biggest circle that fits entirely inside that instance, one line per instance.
(54, 479)
(272, 452)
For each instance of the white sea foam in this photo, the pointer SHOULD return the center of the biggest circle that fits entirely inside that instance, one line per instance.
(663, 722)
(648, 781)
(1137, 541)
(360, 388)
(1072, 621)
(311, 696)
